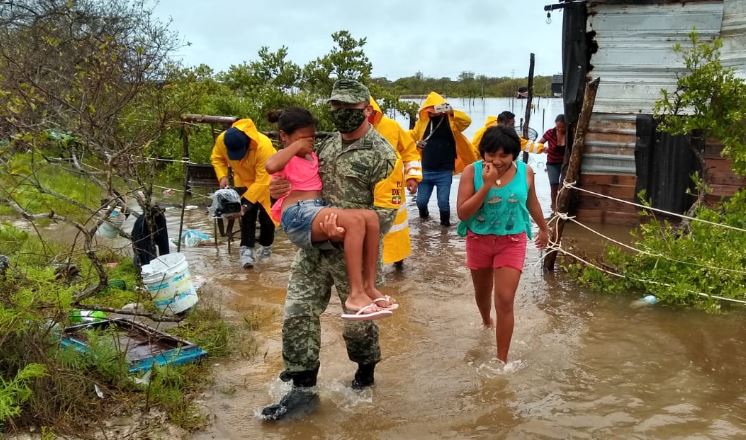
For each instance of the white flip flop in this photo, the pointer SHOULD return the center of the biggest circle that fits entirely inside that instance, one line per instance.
(360, 314)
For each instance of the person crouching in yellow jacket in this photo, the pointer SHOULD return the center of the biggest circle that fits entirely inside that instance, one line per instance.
(245, 150)
(444, 149)
(506, 119)
(396, 243)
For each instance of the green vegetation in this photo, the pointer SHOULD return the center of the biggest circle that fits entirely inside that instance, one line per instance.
(688, 262)
(16, 392)
(89, 96)
(681, 268)
(709, 99)
(83, 105)
(467, 85)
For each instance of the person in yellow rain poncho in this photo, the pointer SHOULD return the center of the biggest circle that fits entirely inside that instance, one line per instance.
(444, 149)
(396, 243)
(244, 150)
(506, 119)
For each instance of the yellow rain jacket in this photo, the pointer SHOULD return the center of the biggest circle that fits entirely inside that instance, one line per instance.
(459, 121)
(249, 171)
(526, 145)
(396, 243)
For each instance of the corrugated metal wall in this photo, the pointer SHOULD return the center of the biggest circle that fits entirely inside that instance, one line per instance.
(733, 33)
(635, 59)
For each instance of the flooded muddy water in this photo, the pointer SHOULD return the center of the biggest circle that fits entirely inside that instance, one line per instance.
(582, 364)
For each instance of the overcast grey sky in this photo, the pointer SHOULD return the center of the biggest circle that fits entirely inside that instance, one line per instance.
(437, 37)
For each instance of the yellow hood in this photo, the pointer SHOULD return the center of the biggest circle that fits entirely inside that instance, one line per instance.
(399, 139)
(432, 99)
(247, 126)
(459, 121)
(249, 171)
(491, 121)
(377, 113)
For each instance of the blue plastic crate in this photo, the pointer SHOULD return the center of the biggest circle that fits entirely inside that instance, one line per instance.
(143, 346)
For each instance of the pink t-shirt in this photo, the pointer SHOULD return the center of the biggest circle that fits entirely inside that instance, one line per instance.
(303, 175)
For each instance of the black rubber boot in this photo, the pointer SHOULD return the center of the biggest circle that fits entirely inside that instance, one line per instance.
(445, 218)
(363, 376)
(424, 213)
(399, 265)
(300, 400)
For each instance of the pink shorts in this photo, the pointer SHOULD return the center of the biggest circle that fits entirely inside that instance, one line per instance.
(495, 251)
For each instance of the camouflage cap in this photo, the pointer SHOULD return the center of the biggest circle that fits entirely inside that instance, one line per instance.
(349, 91)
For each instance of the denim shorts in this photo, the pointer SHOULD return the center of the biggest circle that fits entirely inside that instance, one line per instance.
(554, 170)
(297, 220)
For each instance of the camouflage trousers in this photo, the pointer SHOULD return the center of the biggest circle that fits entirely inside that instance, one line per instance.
(313, 273)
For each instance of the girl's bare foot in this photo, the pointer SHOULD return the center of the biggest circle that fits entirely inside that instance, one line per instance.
(489, 324)
(357, 300)
(379, 299)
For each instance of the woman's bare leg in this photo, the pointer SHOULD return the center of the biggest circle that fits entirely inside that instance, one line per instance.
(482, 280)
(505, 286)
(554, 189)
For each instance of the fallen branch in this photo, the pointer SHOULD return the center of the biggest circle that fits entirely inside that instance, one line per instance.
(155, 317)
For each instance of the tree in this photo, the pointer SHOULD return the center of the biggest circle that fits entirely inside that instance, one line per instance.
(89, 70)
(271, 69)
(709, 101)
(346, 60)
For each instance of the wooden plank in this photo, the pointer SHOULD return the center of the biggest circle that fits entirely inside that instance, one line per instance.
(720, 165)
(725, 178)
(590, 202)
(618, 191)
(610, 149)
(724, 190)
(607, 217)
(607, 179)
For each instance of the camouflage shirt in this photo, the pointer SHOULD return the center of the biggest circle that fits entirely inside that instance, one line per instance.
(350, 172)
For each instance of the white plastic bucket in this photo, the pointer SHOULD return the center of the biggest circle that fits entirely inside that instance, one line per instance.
(116, 218)
(169, 283)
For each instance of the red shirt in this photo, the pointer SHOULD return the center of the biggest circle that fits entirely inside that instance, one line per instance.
(555, 153)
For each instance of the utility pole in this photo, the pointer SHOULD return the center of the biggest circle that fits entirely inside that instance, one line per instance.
(530, 97)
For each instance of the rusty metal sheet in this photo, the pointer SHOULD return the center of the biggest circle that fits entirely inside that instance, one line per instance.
(635, 57)
(733, 33)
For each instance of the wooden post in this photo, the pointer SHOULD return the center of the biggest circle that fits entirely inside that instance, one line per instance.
(573, 169)
(185, 163)
(209, 119)
(527, 116)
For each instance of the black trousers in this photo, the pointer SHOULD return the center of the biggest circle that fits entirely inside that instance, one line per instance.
(144, 243)
(248, 227)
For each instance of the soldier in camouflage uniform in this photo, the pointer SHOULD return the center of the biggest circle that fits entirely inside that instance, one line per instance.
(359, 170)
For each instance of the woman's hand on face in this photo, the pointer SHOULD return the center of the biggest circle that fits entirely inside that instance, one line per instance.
(542, 239)
(278, 187)
(489, 174)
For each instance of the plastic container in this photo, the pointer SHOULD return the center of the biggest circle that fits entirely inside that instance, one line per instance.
(170, 285)
(109, 227)
(647, 300)
(193, 237)
(86, 315)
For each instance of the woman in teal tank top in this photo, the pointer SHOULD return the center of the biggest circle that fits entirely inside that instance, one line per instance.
(496, 196)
